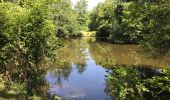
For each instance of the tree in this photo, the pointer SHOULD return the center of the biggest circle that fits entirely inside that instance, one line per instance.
(65, 18)
(81, 10)
(143, 22)
(94, 17)
(27, 35)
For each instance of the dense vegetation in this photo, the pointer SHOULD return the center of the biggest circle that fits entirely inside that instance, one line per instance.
(136, 82)
(82, 14)
(28, 31)
(145, 22)
(65, 19)
(124, 80)
(134, 21)
(27, 34)
(28, 42)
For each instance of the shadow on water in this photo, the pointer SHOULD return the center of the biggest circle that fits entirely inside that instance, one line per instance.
(86, 69)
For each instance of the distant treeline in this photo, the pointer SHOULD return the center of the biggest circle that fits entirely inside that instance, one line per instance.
(145, 22)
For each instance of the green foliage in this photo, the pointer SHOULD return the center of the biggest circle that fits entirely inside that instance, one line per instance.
(65, 19)
(27, 35)
(81, 11)
(103, 19)
(127, 21)
(124, 82)
(148, 22)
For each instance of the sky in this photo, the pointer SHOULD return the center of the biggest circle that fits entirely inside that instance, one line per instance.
(91, 3)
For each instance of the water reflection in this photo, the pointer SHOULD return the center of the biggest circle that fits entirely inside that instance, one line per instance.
(89, 70)
(137, 82)
(124, 55)
(86, 57)
(74, 52)
(84, 82)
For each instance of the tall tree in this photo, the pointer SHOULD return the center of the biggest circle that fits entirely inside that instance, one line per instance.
(81, 10)
(65, 18)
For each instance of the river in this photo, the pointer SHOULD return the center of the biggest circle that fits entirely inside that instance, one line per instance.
(87, 69)
(84, 75)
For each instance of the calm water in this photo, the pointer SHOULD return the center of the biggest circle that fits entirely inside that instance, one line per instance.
(81, 71)
(83, 77)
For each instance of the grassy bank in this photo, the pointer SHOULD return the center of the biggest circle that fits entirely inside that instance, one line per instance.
(88, 33)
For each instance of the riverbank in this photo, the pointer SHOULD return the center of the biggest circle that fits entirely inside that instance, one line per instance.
(88, 33)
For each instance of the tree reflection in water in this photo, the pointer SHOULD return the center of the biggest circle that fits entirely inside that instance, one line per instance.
(130, 75)
(135, 82)
(60, 70)
(126, 79)
(74, 52)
